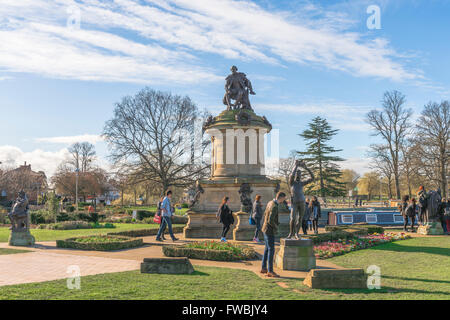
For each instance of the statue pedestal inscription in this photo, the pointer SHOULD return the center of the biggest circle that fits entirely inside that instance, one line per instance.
(295, 255)
(237, 165)
(431, 228)
(21, 238)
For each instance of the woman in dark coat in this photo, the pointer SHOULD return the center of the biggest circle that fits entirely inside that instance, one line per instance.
(411, 211)
(402, 207)
(315, 212)
(225, 217)
(257, 215)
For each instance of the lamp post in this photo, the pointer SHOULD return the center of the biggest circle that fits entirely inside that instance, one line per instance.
(77, 170)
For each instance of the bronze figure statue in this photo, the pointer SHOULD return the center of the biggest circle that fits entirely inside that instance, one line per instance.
(237, 88)
(296, 185)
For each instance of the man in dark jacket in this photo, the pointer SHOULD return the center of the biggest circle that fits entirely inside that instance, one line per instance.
(270, 230)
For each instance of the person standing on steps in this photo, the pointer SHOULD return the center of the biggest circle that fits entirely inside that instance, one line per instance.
(297, 198)
(270, 229)
(225, 217)
(167, 212)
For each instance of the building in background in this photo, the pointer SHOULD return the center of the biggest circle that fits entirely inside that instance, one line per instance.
(34, 183)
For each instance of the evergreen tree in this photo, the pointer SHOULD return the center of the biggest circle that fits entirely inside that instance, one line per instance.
(320, 159)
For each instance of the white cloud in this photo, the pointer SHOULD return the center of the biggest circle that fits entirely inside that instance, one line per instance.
(159, 41)
(40, 160)
(360, 165)
(92, 138)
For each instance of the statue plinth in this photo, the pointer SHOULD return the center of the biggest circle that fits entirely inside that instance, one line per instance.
(237, 172)
(295, 255)
(21, 238)
(431, 228)
(244, 231)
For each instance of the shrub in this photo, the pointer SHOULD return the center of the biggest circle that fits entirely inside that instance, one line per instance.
(211, 250)
(100, 243)
(141, 214)
(4, 218)
(142, 232)
(72, 225)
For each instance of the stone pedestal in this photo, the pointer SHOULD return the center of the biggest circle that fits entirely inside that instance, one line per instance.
(21, 238)
(336, 279)
(244, 231)
(205, 225)
(431, 228)
(167, 266)
(295, 255)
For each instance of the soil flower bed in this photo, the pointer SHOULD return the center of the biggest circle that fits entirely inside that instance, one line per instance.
(100, 243)
(330, 249)
(211, 250)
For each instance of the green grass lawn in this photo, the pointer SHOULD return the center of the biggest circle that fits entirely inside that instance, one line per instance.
(50, 235)
(411, 269)
(4, 251)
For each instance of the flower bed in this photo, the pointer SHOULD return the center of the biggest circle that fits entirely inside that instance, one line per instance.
(100, 243)
(211, 250)
(330, 249)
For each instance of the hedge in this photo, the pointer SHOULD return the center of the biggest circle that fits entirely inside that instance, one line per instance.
(121, 243)
(142, 232)
(206, 254)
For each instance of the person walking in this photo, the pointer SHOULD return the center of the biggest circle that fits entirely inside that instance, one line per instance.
(167, 212)
(257, 215)
(225, 217)
(159, 213)
(306, 217)
(270, 229)
(402, 207)
(315, 212)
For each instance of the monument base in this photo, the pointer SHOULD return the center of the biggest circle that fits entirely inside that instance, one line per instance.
(431, 228)
(295, 255)
(205, 225)
(202, 217)
(21, 238)
(244, 231)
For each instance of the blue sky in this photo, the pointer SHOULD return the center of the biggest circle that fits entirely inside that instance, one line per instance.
(63, 65)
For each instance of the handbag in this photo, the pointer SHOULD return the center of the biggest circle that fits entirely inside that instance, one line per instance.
(251, 221)
(157, 219)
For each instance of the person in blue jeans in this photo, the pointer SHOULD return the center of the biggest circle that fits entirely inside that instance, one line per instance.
(270, 229)
(167, 212)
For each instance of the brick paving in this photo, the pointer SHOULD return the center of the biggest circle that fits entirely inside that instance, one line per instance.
(39, 266)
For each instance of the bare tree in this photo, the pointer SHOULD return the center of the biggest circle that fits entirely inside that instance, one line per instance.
(83, 154)
(432, 142)
(286, 165)
(381, 163)
(392, 125)
(155, 136)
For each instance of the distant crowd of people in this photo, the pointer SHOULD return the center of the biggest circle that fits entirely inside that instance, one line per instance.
(414, 210)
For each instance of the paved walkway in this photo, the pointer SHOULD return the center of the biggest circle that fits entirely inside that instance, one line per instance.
(38, 266)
